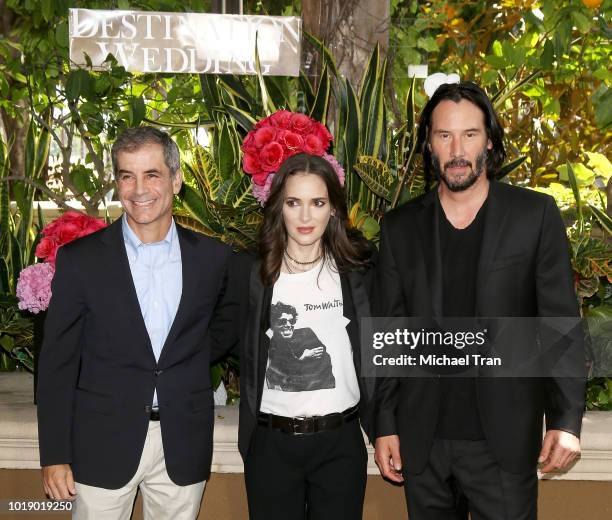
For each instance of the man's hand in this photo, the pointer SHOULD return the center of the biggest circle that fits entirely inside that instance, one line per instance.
(58, 482)
(387, 457)
(312, 353)
(559, 448)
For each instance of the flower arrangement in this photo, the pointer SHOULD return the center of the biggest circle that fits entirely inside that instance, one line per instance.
(276, 138)
(34, 283)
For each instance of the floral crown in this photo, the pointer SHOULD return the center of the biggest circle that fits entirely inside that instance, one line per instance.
(276, 138)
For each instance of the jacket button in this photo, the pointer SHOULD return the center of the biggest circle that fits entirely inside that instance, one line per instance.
(158, 372)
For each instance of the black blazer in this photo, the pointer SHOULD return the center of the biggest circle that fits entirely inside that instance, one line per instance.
(255, 343)
(97, 370)
(524, 270)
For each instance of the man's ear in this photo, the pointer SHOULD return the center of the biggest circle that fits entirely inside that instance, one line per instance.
(177, 181)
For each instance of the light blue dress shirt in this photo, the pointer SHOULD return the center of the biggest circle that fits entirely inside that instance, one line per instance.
(158, 278)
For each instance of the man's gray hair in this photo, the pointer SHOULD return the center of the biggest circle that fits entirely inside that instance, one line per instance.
(132, 139)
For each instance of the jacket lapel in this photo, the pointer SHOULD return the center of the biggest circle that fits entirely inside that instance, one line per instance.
(117, 263)
(354, 291)
(428, 220)
(496, 215)
(190, 271)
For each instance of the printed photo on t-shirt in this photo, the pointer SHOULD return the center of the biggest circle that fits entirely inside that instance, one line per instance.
(297, 359)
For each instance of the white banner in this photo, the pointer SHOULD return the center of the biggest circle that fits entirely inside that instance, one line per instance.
(144, 41)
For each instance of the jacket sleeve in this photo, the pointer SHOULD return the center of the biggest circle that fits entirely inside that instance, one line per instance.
(58, 366)
(556, 297)
(387, 301)
(229, 317)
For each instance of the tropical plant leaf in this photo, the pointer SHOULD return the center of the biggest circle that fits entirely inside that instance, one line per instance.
(510, 167)
(194, 225)
(376, 175)
(234, 85)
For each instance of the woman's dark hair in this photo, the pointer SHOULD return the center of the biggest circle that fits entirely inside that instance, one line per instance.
(473, 93)
(340, 242)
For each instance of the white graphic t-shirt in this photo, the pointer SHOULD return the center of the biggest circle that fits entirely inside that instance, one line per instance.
(310, 369)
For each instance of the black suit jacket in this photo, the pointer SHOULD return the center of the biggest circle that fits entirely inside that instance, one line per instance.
(524, 270)
(97, 370)
(255, 344)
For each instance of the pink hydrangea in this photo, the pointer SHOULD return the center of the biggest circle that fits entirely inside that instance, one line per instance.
(34, 287)
(261, 193)
(336, 166)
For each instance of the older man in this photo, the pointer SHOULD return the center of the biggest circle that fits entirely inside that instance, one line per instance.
(137, 313)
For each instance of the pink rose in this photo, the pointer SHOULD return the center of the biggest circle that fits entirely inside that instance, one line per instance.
(313, 145)
(250, 163)
(271, 157)
(263, 136)
(301, 123)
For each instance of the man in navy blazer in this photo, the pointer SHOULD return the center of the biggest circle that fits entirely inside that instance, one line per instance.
(139, 310)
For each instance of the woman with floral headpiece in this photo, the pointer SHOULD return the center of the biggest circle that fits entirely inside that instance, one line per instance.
(302, 397)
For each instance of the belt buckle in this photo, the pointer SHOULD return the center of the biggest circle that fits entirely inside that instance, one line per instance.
(307, 424)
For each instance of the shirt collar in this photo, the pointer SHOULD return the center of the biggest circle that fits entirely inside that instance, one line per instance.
(132, 240)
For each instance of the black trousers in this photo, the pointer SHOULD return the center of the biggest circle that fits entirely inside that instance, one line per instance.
(463, 477)
(316, 476)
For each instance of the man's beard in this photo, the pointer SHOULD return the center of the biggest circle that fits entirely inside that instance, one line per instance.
(461, 184)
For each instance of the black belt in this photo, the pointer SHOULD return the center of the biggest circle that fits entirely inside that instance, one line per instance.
(302, 425)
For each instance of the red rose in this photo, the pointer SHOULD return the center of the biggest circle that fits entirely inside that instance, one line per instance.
(250, 163)
(45, 248)
(68, 232)
(271, 157)
(323, 134)
(290, 140)
(249, 146)
(280, 119)
(260, 178)
(263, 136)
(92, 226)
(313, 145)
(301, 123)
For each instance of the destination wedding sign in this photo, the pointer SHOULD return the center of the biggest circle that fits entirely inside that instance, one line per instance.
(146, 41)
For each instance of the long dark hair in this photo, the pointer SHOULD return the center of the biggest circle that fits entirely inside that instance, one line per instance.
(473, 93)
(340, 242)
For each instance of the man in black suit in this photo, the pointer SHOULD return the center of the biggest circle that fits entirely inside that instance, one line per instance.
(473, 247)
(139, 309)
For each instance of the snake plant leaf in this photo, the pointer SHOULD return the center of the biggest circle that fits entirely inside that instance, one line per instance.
(376, 175)
(225, 154)
(510, 167)
(307, 91)
(324, 51)
(376, 117)
(245, 120)
(603, 218)
(268, 104)
(210, 92)
(366, 93)
(234, 84)
(319, 108)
